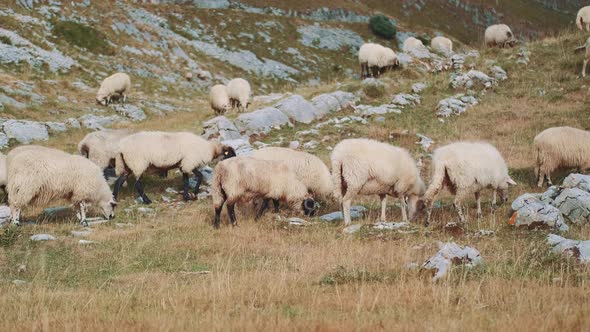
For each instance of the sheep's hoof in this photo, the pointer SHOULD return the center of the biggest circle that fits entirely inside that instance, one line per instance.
(146, 200)
(84, 223)
(16, 223)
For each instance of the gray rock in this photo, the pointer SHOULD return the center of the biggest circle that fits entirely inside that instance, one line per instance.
(220, 127)
(261, 121)
(56, 127)
(42, 237)
(131, 111)
(368, 110)
(92, 121)
(380, 119)
(25, 131)
(420, 52)
(8, 101)
(265, 99)
(425, 142)
(580, 250)
(352, 229)
(471, 79)
(311, 145)
(294, 145)
(356, 211)
(346, 99)
(532, 213)
(83, 233)
(19, 282)
(448, 254)
(297, 109)
(418, 87)
(574, 204)
(73, 123)
(86, 242)
(404, 59)
(403, 99)
(325, 103)
(329, 38)
(3, 140)
(579, 181)
(207, 173)
(338, 122)
(145, 210)
(499, 73)
(455, 105)
(391, 225)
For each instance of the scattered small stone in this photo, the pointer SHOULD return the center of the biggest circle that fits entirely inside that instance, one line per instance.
(425, 142)
(356, 211)
(83, 233)
(294, 145)
(171, 191)
(390, 225)
(86, 242)
(145, 210)
(18, 282)
(352, 229)
(311, 144)
(450, 253)
(42, 237)
(22, 268)
(418, 87)
(96, 221)
(484, 232)
(580, 250)
(124, 225)
(412, 266)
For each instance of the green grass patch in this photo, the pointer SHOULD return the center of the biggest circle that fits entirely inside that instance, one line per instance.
(83, 36)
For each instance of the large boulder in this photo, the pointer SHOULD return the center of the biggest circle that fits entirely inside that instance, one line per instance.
(222, 128)
(580, 250)
(261, 121)
(574, 204)
(298, 109)
(325, 104)
(531, 212)
(92, 121)
(455, 105)
(25, 131)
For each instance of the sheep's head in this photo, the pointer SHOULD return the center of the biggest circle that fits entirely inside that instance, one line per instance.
(108, 208)
(309, 207)
(228, 152)
(101, 99)
(503, 188)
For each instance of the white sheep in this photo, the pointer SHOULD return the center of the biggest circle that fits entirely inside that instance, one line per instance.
(583, 18)
(412, 43)
(310, 170)
(3, 175)
(164, 151)
(560, 147)
(374, 58)
(219, 99)
(39, 175)
(116, 84)
(247, 178)
(442, 44)
(499, 35)
(101, 147)
(239, 92)
(467, 167)
(367, 167)
(365, 51)
(586, 48)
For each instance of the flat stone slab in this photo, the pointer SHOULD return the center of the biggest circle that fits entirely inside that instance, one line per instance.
(356, 211)
(261, 121)
(531, 212)
(450, 254)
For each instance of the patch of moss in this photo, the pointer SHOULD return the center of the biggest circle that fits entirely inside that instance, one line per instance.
(83, 36)
(5, 40)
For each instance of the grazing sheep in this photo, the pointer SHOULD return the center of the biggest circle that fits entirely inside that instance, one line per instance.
(367, 167)
(247, 178)
(411, 43)
(467, 167)
(561, 147)
(188, 76)
(583, 18)
(119, 84)
(219, 99)
(499, 35)
(442, 44)
(373, 58)
(586, 48)
(239, 92)
(101, 146)
(164, 151)
(365, 52)
(309, 169)
(38, 175)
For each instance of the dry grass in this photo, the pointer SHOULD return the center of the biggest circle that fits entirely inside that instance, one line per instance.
(274, 277)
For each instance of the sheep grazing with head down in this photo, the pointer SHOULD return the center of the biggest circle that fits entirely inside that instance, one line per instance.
(583, 19)
(118, 85)
(239, 93)
(586, 49)
(412, 43)
(499, 35)
(561, 147)
(464, 168)
(367, 167)
(442, 44)
(219, 99)
(375, 59)
(39, 175)
(102, 146)
(164, 151)
(247, 178)
(309, 169)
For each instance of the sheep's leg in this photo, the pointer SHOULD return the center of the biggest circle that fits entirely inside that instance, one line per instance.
(346, 210)
(457, 205)
(119, 184)
(549, 182)
(383, 206)
(541, 178)
(82, 214)
(199, 178)
(478, 199)
(185, 187)
(275, 203)
(232, 214)
(141, 192)
(263, 208)
(584, 67)
(16, 217)
(404, 208)
(218, 209)
(494, 194)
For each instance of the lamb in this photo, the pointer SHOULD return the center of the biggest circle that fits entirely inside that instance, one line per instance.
(219, 99)
(560, 147)
(583, 18)
(442, 44)
(246, 178)
(466, 167)
(309, 169)
(38, 175)
(101, 146)
(164, 151)
(585, 47)
(367, 167)
(116, 84)
(411, 43)
(499, 35)
(239, 92)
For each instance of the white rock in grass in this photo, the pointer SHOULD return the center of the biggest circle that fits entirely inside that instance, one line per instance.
(86, 242)
(18, 282)
(42, 237)
(448, 254)
(531, 212)
(391, 225)
(574, 204)
(580, 250)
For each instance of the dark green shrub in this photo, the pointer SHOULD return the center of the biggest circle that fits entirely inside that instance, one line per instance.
(425, 39)
(83, 36)
(382, 26)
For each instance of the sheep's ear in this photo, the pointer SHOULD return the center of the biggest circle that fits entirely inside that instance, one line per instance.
(510, 181)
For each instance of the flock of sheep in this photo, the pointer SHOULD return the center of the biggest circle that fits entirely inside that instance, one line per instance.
(35, 175)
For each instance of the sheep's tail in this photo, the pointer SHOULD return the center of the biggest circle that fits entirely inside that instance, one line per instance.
(340, 185)
(120, 165)
(436, 183)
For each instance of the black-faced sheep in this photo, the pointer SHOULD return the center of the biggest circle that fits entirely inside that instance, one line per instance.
(164, 151)
(367, 167)
(464, 168)
(247, 178)
(102, 146)
(39, 175)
